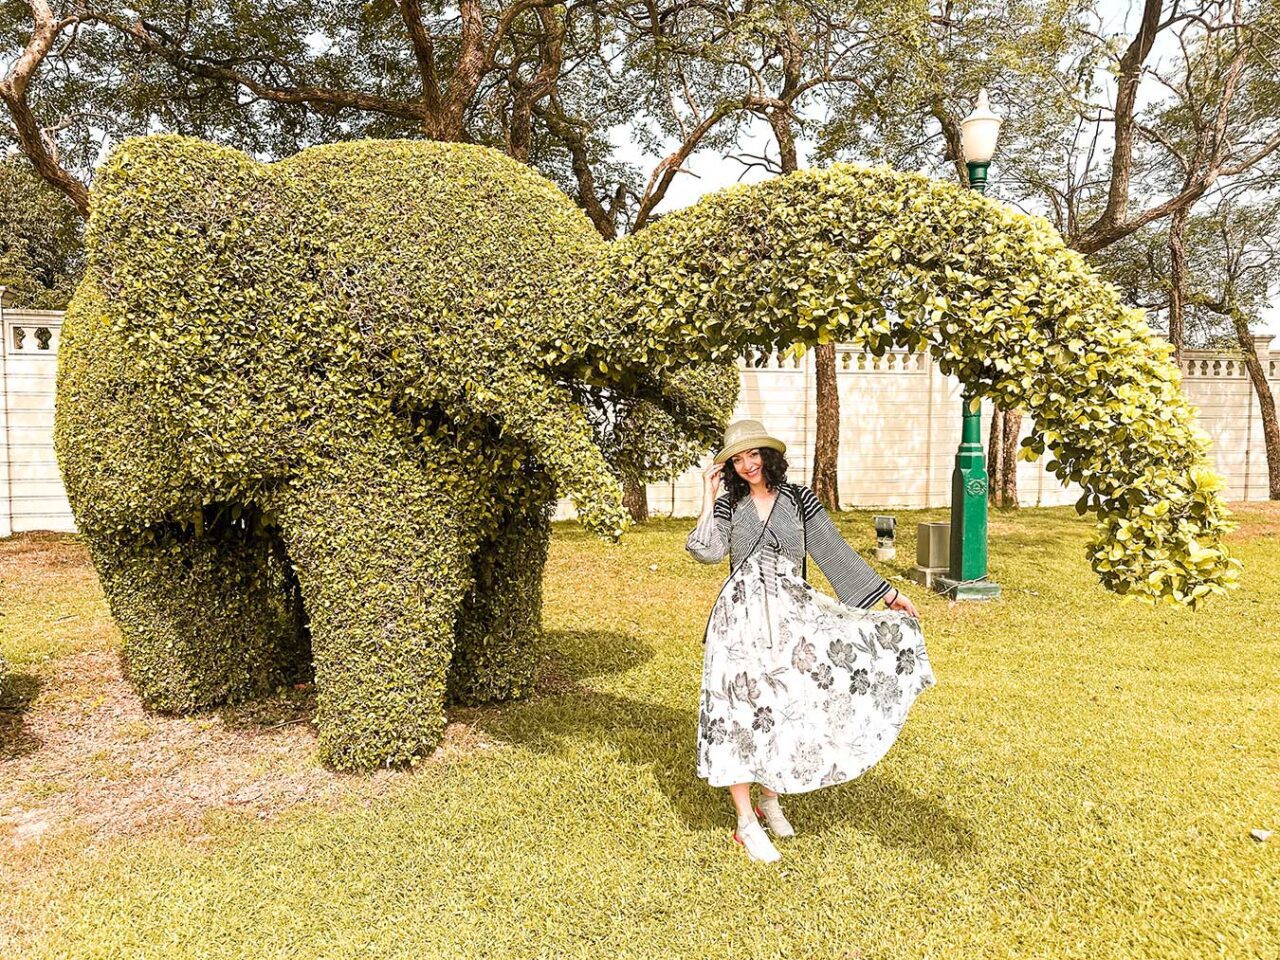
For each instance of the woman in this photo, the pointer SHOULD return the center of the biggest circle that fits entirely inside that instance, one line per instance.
(798, 691)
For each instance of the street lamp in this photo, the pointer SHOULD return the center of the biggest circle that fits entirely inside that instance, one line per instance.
(978, 134)
(967, 575)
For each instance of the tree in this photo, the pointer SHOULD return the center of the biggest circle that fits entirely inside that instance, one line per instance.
(1211, 125)
(1232, 249)
(1245, 242)
(521, 75)
(1213, 138)
(273, 77)
(699, 73)
(41, 253)
(1092, 143)
(1217, 50)
(784, 57)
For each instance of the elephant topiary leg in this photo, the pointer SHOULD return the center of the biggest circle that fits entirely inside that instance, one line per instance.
(207, 618)
(501, 617)
(381, 543)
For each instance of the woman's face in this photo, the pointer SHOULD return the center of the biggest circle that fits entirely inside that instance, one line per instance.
(749, 465)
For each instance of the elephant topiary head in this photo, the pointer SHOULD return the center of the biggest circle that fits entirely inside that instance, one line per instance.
(317, 410)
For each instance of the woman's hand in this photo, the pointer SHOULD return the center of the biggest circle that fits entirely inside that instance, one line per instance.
(901, 602)
(712, 477)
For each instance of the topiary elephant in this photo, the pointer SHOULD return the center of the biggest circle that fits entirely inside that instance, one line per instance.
(318, 410)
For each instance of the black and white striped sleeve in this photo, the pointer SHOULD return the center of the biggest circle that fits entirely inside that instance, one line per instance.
(855, 582)
(709, 541)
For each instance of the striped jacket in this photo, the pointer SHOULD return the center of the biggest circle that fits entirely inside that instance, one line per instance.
(797, 517)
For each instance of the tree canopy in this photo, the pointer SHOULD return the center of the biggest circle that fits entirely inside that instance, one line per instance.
(41, 250)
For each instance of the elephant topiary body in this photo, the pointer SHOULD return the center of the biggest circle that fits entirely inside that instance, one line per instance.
(316, 412)
(321, 379)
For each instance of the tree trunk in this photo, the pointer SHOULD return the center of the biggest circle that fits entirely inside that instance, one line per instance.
(1009, 476)
(826, 442)
(635, 497)
(1266, 402)
(1177, 281)
(1002, 459)
(826, 446)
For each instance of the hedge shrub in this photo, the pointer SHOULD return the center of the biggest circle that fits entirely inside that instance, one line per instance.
(318, 410)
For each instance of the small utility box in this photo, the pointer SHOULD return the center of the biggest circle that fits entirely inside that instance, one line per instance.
(885, 547)
(933, 553)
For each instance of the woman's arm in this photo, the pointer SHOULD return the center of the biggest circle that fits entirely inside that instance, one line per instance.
(855, 582)
(709, 541)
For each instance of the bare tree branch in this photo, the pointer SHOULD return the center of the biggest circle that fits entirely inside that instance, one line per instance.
(32, 137)
(423, 51)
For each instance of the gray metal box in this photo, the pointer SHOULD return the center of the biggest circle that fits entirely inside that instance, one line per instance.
(933, 545)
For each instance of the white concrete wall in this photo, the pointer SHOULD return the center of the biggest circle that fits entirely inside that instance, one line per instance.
(900, 428)
(31, 494)
(1219, 386)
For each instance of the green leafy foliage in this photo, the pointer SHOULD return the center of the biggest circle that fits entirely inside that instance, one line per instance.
(329, 400)
(41, 255)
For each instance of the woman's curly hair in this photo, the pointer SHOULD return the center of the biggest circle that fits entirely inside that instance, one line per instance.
(775, 472)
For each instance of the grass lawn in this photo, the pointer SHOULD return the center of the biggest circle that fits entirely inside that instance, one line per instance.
(1081, 783)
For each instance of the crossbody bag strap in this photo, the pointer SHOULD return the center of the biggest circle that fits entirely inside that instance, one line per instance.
(804, 530)
(793, 491)
(804, 534)
(734, 568)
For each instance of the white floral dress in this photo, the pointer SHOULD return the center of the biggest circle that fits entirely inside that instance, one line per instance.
(800, 691)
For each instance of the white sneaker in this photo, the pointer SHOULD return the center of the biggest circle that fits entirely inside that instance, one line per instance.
(757, 844)
(774, 818)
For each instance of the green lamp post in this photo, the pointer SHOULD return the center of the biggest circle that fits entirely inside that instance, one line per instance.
(967, 576)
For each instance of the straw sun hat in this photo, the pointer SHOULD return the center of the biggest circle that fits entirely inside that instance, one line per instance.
(745, 434)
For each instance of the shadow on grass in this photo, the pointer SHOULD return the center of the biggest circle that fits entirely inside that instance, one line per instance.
(286, 707)
(17, 691)
(661, 740)
(578, 654)
(568, 656)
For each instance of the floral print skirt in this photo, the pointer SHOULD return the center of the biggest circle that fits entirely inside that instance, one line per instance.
(798, 690)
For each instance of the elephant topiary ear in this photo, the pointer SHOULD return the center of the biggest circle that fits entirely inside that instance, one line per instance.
(174, 218)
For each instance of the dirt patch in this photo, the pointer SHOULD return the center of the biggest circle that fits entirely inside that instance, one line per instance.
(25, 554)
(1256, 519)
(85, 754)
